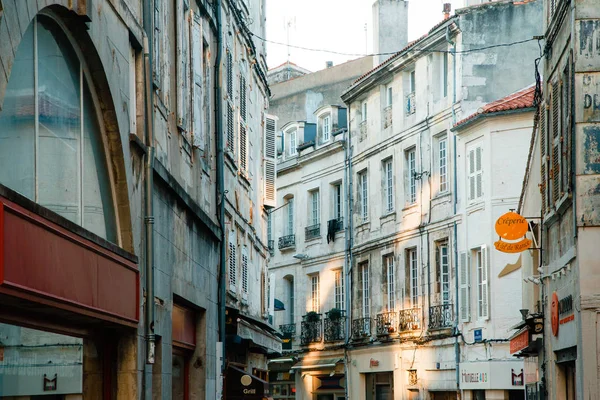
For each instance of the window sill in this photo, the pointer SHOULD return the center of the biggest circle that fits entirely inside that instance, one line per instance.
(230, 162)
(442, 195)
(313, 239)
(410, 207)
(365, 225)
(389, 217)
(475, 206)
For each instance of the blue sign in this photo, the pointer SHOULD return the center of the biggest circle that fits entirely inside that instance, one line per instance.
(478, 335)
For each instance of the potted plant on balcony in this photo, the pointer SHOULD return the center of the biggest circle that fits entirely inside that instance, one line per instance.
(335, 314)
(312, 316)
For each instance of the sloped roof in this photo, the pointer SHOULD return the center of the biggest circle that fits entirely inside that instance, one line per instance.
(516, 101)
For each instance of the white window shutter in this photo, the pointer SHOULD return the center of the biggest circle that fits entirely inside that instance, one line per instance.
(270, 154)
(232, 262)
(479, 172)
(471, 161)
(245, 272)
(465, 309)
(197, 68)
(183, 66)
(485, 290)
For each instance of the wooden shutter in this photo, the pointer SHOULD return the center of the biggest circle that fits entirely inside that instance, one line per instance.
(471, 189)
(555, 154)
(270, 178)
(245, 272)
(232, 261)
(543, 145)
(229, 73)
(464, 300)
(565, 141)
(485, 291)
(183, 39)
(478, 172)
(243, 127)
(230, 145)
(157, 39)
(197, 70)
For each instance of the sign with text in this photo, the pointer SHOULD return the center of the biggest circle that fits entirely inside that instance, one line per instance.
(511, 227)
(499, 375)
(520, 341)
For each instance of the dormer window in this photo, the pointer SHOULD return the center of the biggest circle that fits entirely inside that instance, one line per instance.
(324, 128)
(291, 139)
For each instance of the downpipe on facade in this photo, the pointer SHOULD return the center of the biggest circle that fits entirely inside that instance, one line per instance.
(348, 249)
(220, 195)
(149, 192)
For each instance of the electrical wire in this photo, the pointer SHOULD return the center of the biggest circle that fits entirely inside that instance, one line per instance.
(390, 53)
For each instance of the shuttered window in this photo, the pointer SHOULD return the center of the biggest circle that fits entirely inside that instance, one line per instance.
(475, 176)
(556, 138)
(198, 49)
(544, 162)
(245, 271)
(183, 65)
(566, 130)
(230, 145)
(270, 126)
(232, 262)
(481, 258)
(156, 66)
(229, 72)
(464, 289)
(243, 125)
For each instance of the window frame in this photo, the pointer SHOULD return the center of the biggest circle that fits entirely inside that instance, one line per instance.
(388, 176)
(442, 168)
(411, 170)
(290, 217)
(315, 293)
(363, 270)
(338, 292)
(314, 207)
(390, 269)
(475, 192)
(363, 111)
(289, 134)
(364, 195)
(389, 96)
(412, 265)
(338, 201)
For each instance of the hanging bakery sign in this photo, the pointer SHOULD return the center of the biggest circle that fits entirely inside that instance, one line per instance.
(511, 227)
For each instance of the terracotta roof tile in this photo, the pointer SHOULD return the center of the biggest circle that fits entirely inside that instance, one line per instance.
(518, 100)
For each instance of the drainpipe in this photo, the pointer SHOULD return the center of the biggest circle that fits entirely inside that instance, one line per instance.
(455, 202)
(348, 248)
(149, 192)
(220, 181)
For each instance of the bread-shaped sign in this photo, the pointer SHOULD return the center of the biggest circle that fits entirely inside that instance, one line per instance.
(511, 227)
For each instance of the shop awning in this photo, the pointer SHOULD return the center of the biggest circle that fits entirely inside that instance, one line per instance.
(279, 305)
(281, 360)
(317, 363)
(258, 336)
(239, 384)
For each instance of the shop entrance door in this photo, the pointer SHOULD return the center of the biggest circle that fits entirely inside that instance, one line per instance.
(443, 395)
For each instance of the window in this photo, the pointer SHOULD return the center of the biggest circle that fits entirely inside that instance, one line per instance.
(270, 178)
(390, 283)
(475, 173)
(245, 272)
(291, 300)
(363, 287)
(412, 81)
(480, 256)
(291, 139)
(182, 31)
(315, 300)
(269, 229)
(230, 130)
(339, 289)
(412, 276)
(324, 128)
(290, 216)
(232, 262)
(411, 156)
(388, 192)
(338, 211)
(443, 271)
(363, 111)
(314, 217)
(243, 136)
(388, 96)
(445, 74)
(51, 146)
(443, 164)
(362, 179)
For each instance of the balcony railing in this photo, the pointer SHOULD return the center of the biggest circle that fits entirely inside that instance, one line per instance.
(287, 241)
(409, 319)
(311, 329)
(387, 117)
(363, 130)
(410, 103)
(386, 323)
(361, 328)
(441, 316)
(288, 330)
(335, 326)
(312, 231)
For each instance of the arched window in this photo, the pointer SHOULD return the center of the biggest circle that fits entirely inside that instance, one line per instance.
(51, 148)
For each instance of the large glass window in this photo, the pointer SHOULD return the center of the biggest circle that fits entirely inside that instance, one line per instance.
(51, 149)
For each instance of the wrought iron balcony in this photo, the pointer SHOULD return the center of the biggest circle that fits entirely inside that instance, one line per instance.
(386, 323)
(311, 329)
(288, 330)
(361, 328)
(387, 117)
(441, 317)
(312, 231)
(410, 104)
(287, 241)
(338, 224)
(410, 319)
(335, 326)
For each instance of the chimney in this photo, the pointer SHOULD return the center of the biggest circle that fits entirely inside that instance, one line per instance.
(328, 64)
(447, 9)
(390, 28)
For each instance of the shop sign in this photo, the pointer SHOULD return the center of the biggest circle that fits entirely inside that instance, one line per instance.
(373, 363)
(561, 312)
(511, 227)
(517, 377)
(520, 341)
(498, 375)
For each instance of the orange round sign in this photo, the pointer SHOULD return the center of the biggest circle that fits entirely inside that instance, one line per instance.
(554, 314)
(511, 226)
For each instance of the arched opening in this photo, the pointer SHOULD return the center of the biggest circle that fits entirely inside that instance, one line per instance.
(51, 141)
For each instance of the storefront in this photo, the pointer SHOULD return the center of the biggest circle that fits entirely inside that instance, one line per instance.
(320, 378)
(492, 379)
(241, 385)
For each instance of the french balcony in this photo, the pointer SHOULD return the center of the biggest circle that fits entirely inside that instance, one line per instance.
(335, 326)
(286, 242)
(337, 224)
(410, 104)
(311, 329)
(386, 323)
(441, 317)
(409, 319)
(387, 117)
(361, 328)
(313, 231)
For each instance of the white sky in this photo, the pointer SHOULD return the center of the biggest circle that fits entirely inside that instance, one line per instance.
(337, 25)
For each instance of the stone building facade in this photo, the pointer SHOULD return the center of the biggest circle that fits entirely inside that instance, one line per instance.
(117, 154)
